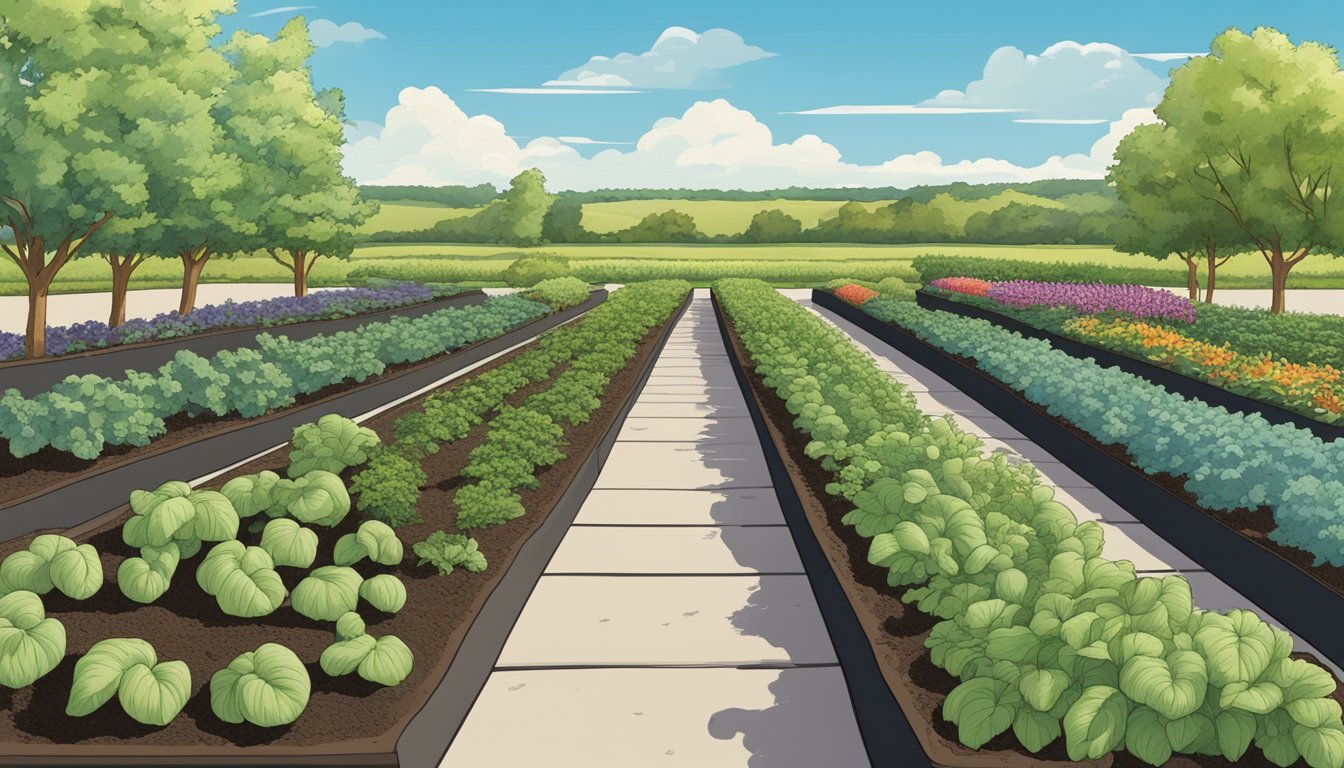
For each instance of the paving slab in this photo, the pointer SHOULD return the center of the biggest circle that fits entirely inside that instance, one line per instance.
(727, 507)
(642, 408)
(725, 398)
(684, 389)
(685, 718)
(718, 376)
(684, 466)
(675, 550)
(653, 620)
(725, 430)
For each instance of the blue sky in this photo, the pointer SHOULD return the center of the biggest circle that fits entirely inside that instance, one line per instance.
(827, 55)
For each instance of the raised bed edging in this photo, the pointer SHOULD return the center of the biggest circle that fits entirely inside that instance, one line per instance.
(1168, 379)
(887, 736)
(33, 376)
(85, 499)
(432, 727)
(1306, 606)
(426, 739)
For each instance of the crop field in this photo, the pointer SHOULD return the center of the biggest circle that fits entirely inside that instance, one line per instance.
(409, 215)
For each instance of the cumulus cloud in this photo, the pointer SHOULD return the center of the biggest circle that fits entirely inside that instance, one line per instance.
(428, 139)
(1067, 82)
(326, 32)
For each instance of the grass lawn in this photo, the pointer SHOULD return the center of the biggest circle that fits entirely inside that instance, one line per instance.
(713, 217)
(411, 215)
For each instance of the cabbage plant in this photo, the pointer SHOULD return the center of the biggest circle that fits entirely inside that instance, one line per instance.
(31, 645)
(318, 497)
(384, 592)
(53, 561)
(375, 540)
(144, 579)
(333, 444)
(152, 692)
(328, 592)
(289, 543)
(268, 687)
(174, 513)
(242, 580)
(385, 660)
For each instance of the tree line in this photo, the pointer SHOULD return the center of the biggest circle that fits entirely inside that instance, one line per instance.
(1242, 160)
(131, 133)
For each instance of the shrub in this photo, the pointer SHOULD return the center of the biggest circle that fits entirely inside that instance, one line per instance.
(374, 540)
(53, 561)
(268, 687)
(385, 660)
(855, 294)
(532, 269)
(447, 551)
(560, 292)
(152, 692)
(241, 579)
(333, 444)
(841, 282)
(31, 645)
(896, 288)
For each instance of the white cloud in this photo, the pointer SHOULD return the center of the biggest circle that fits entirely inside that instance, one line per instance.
(679, 58)
(552, 91)
(428, 139)
(326, 32)
(1050, 121)
(584, 140)
(1167, 56)
(283, 9)
(900, 109)
(1066, 81)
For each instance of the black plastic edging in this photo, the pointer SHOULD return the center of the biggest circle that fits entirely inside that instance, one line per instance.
(1306, 606)
(887, 736)
(81, 501)
(39, 375)
(431, 732)
(1168, 379)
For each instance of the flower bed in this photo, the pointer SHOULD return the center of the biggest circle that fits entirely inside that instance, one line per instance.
(855, 294)
(971, 286)
(285, 310)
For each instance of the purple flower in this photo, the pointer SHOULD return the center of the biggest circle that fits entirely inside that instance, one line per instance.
(285, 310)
(1095, 298)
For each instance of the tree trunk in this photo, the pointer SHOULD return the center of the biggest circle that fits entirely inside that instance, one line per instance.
(35, 332)
(1191, 276)
(300, 274)
(121, 281)
(1213, 278)
(193, 263)
(1279, 268)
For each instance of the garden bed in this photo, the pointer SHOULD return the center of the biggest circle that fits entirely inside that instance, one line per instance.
(183, 625)
(55, 489)
(1170, 380)
(1233, 547)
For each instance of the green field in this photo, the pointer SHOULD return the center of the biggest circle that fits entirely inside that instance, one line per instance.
(713, 217)
(410, 216)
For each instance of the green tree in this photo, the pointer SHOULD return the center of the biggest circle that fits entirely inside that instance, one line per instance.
(1263, 115)
(1171, 207)
(665, 227)
(773, 226)
(305, 208)
(516, 218)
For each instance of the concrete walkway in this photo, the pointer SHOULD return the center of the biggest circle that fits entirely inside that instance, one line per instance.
(674, 625)
(1126, 537)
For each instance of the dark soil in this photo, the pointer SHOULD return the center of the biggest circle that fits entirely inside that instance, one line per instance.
(186, 624)
(897, 632)
(43, 471)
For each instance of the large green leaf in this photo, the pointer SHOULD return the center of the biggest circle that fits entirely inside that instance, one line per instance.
(1035, 730)
(317, 498)
(1174, 686)
(375, 540)
(1274, 737)
(154, 695)
(27, 571)
(31, 645)
(384, 592)
(289, 544)
(77, 573)
(1235, 731)
(1095, 724)
(1321, 747)
(1146, 737)
(1239, 647)
(982, 709)
(327, 592)
(98, 673)
(1258, 698)
(267, 687)
(389, 663)
(214, 518)
(251, 494)
(1041, 688)
(344, 656)
(1300, 679)
(144, 579)
(242, 580)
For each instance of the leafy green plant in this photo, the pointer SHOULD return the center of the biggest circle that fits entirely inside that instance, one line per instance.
(385, 660)
(327, 592)
(53, 561)
(31, 645)
(241, 579)
(289, 543)
(384, 592)
(316, 498)
(559, 292)
(388, 488)
(374, 540)
(252, 495)
(332, 444)
(152, 692)
(268, 687)
(144, 579)
(447, 551)
(174, 513)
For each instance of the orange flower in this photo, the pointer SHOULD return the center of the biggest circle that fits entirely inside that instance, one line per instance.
(855, 294)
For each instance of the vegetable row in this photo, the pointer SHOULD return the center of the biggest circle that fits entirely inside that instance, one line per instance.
(629, 271)
(285, 310)
(576, 361)
(82, 415)
(174, 523)
(1049, 638)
